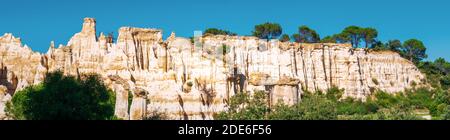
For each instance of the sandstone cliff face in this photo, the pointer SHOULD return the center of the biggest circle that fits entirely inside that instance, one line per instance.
(193, 81)
(19, 65)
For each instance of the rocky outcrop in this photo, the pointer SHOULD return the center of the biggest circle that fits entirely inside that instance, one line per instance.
(19, 65)
(195, 80)
(4, 98)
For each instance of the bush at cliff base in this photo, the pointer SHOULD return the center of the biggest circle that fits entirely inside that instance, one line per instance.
(62, 97)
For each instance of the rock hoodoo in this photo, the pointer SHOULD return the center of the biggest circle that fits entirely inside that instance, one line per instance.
(194, 80)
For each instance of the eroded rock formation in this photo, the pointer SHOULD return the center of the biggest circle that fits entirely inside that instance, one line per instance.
(194, 80)
(4, 97)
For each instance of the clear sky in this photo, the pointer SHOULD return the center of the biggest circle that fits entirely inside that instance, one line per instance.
(38, 22)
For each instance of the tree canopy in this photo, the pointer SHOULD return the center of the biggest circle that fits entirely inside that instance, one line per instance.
(62, 97)
(328, 39)
(267, 30)
(306, 35)
(355, 34)
(369, 36)
(215, 31)
(285, 38)
(394, 45)
(413, 50)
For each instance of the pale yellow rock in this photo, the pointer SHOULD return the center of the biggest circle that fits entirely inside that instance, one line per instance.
(139, 105)
(4, 98)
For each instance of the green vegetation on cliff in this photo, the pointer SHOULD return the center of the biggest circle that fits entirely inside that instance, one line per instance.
(326, 106)
(430, 101)
(267, 30)
(215, 31)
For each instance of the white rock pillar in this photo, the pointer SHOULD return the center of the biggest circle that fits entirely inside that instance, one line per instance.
(121, 107)
(138, 105)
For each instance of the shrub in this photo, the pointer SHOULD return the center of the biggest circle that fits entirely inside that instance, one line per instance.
(62, 97)
(189, 83)
(385, 100)
(284, 112)
(351, 107)
(317, 107)
(312, 107)
(395, 113)
(446, 114)
(242, 106)
(334, 93)
(420, 98)
(375, 81)
(330, 106)
(445, 82)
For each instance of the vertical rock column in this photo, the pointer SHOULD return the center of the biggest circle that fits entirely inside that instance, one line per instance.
(122, 89)
(138, 105)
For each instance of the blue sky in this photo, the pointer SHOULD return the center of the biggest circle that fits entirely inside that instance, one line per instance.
(38, 22)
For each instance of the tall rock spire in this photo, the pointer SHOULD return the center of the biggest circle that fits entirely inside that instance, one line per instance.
(87, 36)
(51, 48)
(88, 26)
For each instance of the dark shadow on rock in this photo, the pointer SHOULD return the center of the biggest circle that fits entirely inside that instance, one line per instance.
(181, 102)
(11, 86)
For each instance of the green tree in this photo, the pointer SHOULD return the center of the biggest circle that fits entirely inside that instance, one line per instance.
(446, 114)
(62, 97)
(312, 107)
(296, 37)
(354, 33)
(369, 36)
(379, 46)
(445, 82)
(442, 65)
(285, 112)
(328, 39)
(306, 35)
(317, 107)
(433, 73)
(242, 106)
(394, 113)
(285, 38)
(267, 30)
(394, 45)
(215, 31)
(413, 50)
(342, 38)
